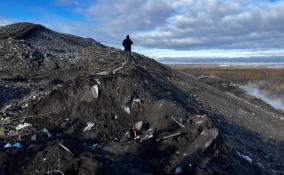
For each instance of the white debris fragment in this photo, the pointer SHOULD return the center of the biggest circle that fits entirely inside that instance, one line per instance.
(95, 91)
(25, 105)
(147, 135)
(65, 148)
(5, 121)
(178, 170)
(8, 145)
(33, 137)
(180, 124)
(245, 157)
(127, 109)
(137, 100)
(98, 81)
(89, 126)
(22, 126)
(104, 73)
(117, 69)
(47, 132)
(199, 122)
(138, 125)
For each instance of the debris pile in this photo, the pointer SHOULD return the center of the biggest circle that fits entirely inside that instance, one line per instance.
(70, 106)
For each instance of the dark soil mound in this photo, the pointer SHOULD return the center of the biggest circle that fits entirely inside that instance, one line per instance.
(136, 124)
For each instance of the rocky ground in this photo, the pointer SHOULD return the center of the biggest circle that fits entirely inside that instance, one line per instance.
(83, 111)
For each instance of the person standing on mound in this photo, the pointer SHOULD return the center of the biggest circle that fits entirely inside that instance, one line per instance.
(127, 48)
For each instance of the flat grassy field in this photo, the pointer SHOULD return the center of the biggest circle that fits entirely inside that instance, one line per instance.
(239, 74)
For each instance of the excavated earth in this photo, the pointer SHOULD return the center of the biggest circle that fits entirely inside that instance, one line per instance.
(86, 112)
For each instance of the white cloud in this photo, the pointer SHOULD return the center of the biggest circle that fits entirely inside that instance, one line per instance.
(4, 21)
(187, 24)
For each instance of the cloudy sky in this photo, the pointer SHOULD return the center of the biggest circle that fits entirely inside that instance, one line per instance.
(165, 29)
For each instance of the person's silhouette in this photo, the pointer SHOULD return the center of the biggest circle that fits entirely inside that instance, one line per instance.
(127, 47)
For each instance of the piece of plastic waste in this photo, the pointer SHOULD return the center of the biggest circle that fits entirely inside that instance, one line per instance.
(178, 170)
(47, 132)
(147, 135)
(22, 126)
(8, 145)
(95, 91)
(89, 126)
(138, 125)
(17, 145)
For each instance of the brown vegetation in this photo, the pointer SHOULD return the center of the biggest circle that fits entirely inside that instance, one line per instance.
(238, 74)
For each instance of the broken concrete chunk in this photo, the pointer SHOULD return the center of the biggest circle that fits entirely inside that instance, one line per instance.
(89, 126)
(22, 126)
(202, 142)
(138, 125)
(95, 91)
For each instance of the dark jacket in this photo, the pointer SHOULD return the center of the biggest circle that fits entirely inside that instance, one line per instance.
(127, 44)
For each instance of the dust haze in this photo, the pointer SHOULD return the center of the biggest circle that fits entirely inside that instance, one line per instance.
(275, 98)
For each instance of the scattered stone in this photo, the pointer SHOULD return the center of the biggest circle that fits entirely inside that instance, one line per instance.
(33, 138)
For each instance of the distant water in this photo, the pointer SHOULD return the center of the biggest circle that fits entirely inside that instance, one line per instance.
(251, 61)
